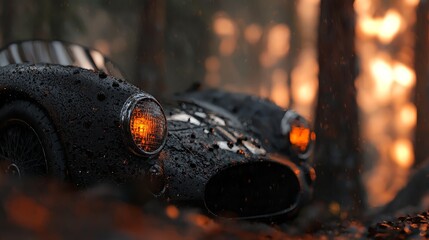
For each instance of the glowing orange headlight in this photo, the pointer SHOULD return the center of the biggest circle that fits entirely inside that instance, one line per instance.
(299, 134)
(144, 124)
(300, 137)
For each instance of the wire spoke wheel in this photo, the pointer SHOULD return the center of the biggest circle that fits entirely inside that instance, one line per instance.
(21, 150)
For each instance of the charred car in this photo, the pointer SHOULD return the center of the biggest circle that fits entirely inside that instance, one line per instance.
(66, 111)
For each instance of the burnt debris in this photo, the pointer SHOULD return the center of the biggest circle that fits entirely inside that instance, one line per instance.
(405, 227)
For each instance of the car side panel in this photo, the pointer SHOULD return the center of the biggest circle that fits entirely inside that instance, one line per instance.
(85, 107)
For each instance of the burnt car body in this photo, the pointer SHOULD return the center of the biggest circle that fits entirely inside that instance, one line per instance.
(237, 155)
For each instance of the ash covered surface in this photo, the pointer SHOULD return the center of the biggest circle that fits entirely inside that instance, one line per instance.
(50, 210)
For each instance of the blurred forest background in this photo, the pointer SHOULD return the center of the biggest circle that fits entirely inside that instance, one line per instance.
(363, 63)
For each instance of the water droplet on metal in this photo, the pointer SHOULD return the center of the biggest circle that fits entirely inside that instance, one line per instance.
(101, 96)
(155, 169)
(102, 74)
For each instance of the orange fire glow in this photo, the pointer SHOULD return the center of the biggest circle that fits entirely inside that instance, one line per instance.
(412, 3)
(383, 78)
(304, 92)
(212, 66)
(362, 7)
(172, 211)
(227, 46)
(266, 60)
(382, 72)
(370, 26)
(279, 90)
(404, 75)
(224, 26)
(305, 83)
(278, 40)
(384, 87)
(402, 153)
(385, 28)
(270, 43)
(253, 33)
(408, 116)
(390, 26)
(18, 207)
(300, 137)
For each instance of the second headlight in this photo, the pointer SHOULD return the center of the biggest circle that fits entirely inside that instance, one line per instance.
(299, 135)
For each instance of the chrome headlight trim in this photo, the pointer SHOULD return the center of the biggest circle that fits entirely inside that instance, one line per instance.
(287, 121)
(125, 121)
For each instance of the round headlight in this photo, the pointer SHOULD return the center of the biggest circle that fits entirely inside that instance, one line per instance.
(298, 133)
(144, 124)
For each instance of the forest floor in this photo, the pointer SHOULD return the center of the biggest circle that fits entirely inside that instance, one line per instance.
(49, 210)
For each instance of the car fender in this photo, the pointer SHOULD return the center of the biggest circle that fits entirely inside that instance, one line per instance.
(85, 107)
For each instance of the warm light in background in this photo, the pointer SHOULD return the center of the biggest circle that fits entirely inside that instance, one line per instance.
(223, 26)
(212, 66)
(260, 45)
(304, 92)
(279, 90)
(407, 116)
(385, 86)
(390, 26)
(304, 75)
(227, 46)
(412, 3)
(362, 7)
(383, 79)
(381, 71)
(267, 60)
(385, 28)
(103, 46)
(305, 83)
(370, 26)
(253, 33)
(278, 40)
(402, 152)
(404, 75)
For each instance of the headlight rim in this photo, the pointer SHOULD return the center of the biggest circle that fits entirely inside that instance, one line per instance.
(287, 121)
(125, 121)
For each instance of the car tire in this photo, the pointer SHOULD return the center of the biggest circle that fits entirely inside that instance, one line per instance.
(29, 144)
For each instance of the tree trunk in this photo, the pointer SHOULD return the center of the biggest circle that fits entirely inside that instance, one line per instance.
(6, 21)
(150, 64)
(337, 154)
(422, 84)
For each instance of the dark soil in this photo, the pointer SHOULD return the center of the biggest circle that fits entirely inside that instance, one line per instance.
(48, 210)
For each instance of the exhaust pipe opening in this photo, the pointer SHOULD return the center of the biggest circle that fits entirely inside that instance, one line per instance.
(253, 190)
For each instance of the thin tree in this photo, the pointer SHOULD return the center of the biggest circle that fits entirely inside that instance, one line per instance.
(337, 154)
(421, 65)
(151, 43)
(7, 14)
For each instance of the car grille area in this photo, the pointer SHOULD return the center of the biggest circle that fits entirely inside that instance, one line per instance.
(252, 190)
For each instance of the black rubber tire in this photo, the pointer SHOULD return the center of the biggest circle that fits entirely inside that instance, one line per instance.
(28, 139)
